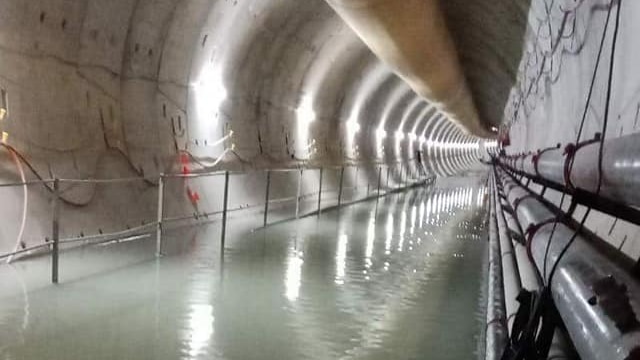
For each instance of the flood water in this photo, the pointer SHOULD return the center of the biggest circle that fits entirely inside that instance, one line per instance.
(400, 279)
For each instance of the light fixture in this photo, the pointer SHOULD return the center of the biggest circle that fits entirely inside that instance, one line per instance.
(305, 113)
(352, 128)
(210, 91)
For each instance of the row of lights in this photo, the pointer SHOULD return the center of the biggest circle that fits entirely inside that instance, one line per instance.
(211, 93)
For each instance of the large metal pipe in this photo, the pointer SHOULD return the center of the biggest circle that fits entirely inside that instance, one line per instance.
(620, 168)
(597, 299)
(525, 276)
(411, 36)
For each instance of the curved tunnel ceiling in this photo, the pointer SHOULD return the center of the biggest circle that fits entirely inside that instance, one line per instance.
(264, 83)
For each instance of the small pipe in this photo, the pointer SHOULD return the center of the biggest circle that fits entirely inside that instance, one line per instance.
(496, 327)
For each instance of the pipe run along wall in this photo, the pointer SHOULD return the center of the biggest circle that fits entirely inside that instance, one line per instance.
(411, 36)
(597, 299)
(620, 170)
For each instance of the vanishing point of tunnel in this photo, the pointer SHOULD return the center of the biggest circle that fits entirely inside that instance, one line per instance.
(319, 179)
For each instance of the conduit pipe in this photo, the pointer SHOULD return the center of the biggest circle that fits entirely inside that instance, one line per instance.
(496, 331)
(511, 278)
(520, 273)
(529, 278)
(411, 36)
(620, 168)
(596, 298)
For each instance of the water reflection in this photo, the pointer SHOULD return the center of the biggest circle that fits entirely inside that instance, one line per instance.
(341, 258)
(389, 234)
(200, 326)
(371, 237)
(293, 277)
(318, 294)
(403, 230)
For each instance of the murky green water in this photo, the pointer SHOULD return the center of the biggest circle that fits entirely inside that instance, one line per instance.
(396, 281)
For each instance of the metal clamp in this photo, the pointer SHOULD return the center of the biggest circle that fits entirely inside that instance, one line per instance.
(536, 157)
(517, 201)
(531, 231)
(570, 152)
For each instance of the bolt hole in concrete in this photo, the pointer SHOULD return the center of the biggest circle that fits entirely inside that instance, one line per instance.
(400, 279)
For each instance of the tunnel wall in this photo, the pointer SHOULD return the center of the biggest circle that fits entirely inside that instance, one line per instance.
(135, 88)
(559, 62)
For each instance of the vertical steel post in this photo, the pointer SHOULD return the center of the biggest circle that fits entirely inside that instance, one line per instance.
(388, 173)
(320, 192)
(266, 198)
(160, 215)
(298, 193)
(340, 191)
(225, 206)
(356, 185)
(379, 179)
(55, 236)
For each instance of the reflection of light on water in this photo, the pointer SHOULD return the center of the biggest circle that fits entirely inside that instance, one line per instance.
(341, 258)
(201, 328)
(371, 235)
(293, 277)
(421, 214)
(403, 229)
(413, 219)
(389, 230)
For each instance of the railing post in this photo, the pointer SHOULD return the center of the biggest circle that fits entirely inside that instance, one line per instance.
(320, 192)
(356, 185)
(298, 193)
(55, 236)
(266, 198)
(224, 212)
(160, 215)
(388, 173)
(340, 190)
(403, 176)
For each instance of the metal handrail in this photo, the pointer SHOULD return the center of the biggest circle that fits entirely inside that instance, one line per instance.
(132, 234)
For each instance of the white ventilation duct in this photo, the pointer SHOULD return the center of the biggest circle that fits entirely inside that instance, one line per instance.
(411, 36)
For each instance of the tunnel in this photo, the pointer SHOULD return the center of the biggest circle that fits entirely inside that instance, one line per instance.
(319, 179)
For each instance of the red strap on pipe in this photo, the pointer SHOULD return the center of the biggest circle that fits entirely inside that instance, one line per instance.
(536, 157)
(531, 232)
(570, 152)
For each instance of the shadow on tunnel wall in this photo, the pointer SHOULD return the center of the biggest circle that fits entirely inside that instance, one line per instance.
(489, 36)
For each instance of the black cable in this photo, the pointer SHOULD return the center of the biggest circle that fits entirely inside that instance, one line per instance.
(579, 135)
(602, 139)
